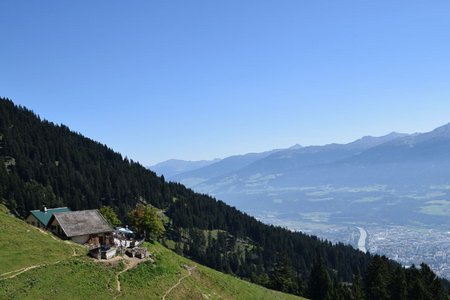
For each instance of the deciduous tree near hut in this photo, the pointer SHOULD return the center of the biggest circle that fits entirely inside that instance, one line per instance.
(145, 219)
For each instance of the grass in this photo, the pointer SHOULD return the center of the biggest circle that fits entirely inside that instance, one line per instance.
(23, 245)
(152, 280)
(73, 279)
(63, 271)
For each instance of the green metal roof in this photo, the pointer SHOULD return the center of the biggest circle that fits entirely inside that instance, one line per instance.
(44, 217)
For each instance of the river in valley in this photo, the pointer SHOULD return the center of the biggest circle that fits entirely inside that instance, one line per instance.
(362, 239)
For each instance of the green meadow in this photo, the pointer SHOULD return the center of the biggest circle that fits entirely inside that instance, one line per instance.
(36, 265)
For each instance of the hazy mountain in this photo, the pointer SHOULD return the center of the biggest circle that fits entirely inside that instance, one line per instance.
(173, 167)
(296, 146)
(220, 168)
(371, 179)
(269, 161)
(432, 146)
(285, 163)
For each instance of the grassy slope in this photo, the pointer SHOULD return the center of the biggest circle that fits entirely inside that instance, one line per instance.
(23, 245)
(64, 272)
(153, 280)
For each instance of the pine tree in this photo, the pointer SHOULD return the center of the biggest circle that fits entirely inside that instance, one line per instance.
(319, 284)
(283, 276)
(357, 291)
(377, 279)
(432, 283)
(399, 286)
(342, 292)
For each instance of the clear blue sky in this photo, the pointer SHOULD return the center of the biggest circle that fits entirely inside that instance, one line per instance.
(203, 79)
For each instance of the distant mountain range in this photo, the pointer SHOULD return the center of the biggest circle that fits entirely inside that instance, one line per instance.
(172, 167)
(200, 170)
(377, 176)
(265, 163)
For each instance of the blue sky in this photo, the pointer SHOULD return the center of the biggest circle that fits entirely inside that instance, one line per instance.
(203, 79)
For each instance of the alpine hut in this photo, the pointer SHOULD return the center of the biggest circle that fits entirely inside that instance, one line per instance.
(41, 217)
(83, 227)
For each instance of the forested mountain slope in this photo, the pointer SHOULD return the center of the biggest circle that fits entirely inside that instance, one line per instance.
(44, 163)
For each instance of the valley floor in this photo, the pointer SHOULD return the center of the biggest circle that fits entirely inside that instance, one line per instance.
(406, 244)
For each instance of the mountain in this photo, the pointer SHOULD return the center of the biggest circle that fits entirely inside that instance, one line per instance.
(220, 168)
(394, 179)
(432, 146)
(43, 163)
(367, 142)
(39, 257)
(192, 173)
(281, 165)
(172, 167)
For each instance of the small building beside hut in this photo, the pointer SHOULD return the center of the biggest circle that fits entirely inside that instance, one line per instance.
(41, 217)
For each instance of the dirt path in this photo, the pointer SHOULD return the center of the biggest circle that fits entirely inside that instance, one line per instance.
(58, 240)
(23, 270)
(47, 233)
(130, 264)
(20, 271)
(72, 247)
(189, 269)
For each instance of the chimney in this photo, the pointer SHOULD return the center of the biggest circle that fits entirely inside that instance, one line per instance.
(44, 208)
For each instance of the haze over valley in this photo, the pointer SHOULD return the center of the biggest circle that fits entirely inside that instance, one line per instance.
(396, 187)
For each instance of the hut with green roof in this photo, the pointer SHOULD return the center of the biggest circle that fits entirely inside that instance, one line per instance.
(41, 217)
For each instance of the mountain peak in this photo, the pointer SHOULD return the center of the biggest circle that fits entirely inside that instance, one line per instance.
(395, 134)
(296, 146)
(173, 167)
(372, 141)
(444, 129)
